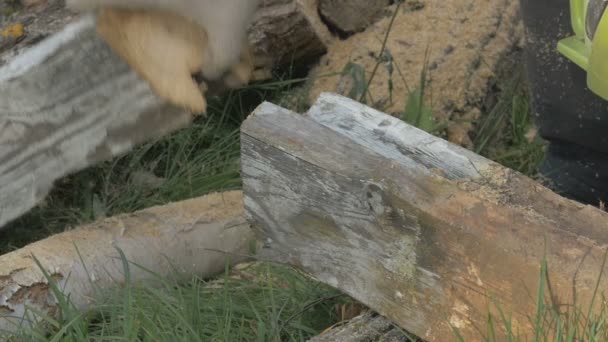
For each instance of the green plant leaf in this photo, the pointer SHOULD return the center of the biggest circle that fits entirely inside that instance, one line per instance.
(417, 113)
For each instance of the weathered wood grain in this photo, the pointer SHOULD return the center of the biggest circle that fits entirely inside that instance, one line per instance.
(195, 237)
(68, 102)
(65, 104)
(424, 232)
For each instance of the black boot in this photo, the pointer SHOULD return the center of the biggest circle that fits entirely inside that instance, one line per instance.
(568, 115)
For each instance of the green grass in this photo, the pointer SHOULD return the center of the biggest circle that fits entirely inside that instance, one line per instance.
(264, 303)
(505, 133)
(417, 112)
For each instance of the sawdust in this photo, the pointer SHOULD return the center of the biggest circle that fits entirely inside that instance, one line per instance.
(466, 39)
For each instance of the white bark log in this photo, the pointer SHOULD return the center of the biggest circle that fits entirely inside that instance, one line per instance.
(194, 237)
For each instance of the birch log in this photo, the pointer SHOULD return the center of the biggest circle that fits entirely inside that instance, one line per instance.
(194, 237)
(428, 234)
(68, 102)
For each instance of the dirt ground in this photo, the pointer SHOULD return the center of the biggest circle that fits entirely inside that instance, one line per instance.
(465, 41)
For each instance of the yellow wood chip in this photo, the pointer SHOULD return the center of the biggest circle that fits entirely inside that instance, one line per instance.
(13, 31)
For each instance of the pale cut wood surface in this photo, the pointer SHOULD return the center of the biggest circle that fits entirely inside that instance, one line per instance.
(196, 237)
(424, 232)
(68, 102)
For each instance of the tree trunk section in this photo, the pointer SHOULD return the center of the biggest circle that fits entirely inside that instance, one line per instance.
(428, 234)
(193, 237)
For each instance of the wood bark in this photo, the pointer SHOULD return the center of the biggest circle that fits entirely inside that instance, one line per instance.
(350, 16)
(424, 232)
(68, 102)
(193, 237)
(364, 328)
(287, 31)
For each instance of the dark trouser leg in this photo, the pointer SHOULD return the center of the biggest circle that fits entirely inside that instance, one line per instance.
(568, 115)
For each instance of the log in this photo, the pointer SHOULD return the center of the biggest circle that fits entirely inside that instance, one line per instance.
(68, 102)
(350, 16)
(286, 32)
(179, 240)
(424, 232)
(363, 328)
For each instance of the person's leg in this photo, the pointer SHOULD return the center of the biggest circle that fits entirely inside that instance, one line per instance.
(568, 115)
